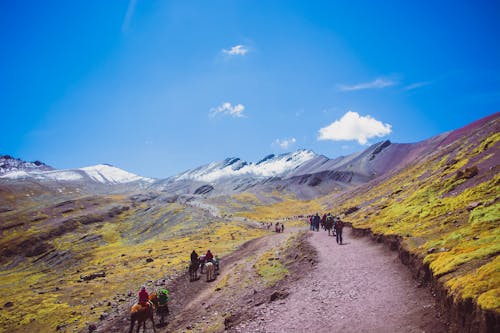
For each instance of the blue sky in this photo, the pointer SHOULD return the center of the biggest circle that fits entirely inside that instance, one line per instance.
(158, 87)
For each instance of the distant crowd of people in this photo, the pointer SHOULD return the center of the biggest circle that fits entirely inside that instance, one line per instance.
(328, 222)
(278, 227)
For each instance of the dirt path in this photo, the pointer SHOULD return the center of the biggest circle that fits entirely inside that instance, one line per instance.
(357, 287)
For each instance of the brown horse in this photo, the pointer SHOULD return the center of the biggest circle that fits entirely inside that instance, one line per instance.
(193, 271)
(140, 314)
(161, 310)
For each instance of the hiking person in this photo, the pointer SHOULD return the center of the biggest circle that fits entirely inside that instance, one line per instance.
(338, 230)
(282, 227)
(316, 220)
(323, 221)
(329, 223)
(311, 226)
(143, 297)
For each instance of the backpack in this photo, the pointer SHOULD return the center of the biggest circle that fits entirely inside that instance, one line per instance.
(162, 296)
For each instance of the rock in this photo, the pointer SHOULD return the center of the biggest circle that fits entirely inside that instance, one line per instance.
(92, 276)
(92, 328)
(278, 295)
(431, 250)
(473, 205)
(467, 173)
(103, 316)
(149, 260)
(8, 305)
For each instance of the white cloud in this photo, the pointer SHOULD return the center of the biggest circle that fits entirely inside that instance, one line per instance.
(236, 50)
(285, 143)
(417, 85)
(378, 83)
(352, 126)
(228, 109)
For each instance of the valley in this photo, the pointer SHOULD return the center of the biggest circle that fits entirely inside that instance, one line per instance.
(77, 244)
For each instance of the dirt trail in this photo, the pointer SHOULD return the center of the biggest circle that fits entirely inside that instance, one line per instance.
(356, 287)
(360, 286)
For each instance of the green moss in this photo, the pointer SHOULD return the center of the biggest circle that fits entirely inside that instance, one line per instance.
(482, 285)
(270, 268)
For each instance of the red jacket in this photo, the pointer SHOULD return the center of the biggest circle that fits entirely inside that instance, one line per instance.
(143, 296)
(209, 256)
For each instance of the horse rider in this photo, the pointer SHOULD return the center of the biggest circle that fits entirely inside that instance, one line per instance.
(144, 297)
(209, 257)
(194, 257)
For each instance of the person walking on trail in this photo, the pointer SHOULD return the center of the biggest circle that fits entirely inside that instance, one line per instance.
(339, 225)
(329, 223)
(311, 225)
(316, 220)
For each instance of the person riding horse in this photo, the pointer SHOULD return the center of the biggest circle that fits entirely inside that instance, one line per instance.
(209, 256)
(193, 267)
(194, 257)
(144, 297)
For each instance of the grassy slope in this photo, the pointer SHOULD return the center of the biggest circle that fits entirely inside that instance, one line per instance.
(49, 292)
(451, 221)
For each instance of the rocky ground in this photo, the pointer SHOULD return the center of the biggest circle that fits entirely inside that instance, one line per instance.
(359, 286)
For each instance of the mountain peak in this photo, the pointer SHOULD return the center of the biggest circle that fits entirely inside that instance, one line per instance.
(10, 164)
(270, 166)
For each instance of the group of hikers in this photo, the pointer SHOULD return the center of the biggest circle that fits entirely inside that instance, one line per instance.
(278, 227)
(332, 224)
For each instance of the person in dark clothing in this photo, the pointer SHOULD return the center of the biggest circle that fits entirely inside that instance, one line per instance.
(194, 257)
(338, 230)
(316, 220)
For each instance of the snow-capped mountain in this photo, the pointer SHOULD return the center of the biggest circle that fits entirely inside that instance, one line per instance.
(10, 164)
(101, 173)
(303, 172)
(270, 166)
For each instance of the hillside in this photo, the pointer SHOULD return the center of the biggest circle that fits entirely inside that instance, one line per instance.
(76, 244)
(442, 211)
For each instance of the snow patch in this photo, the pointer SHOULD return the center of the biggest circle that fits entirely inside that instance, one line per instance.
(109, 174)
(271, 166)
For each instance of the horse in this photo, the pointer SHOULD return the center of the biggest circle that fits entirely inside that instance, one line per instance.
(161, 310)
(193, 271)
(202, 261)
(141, 314)
(210, 271)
